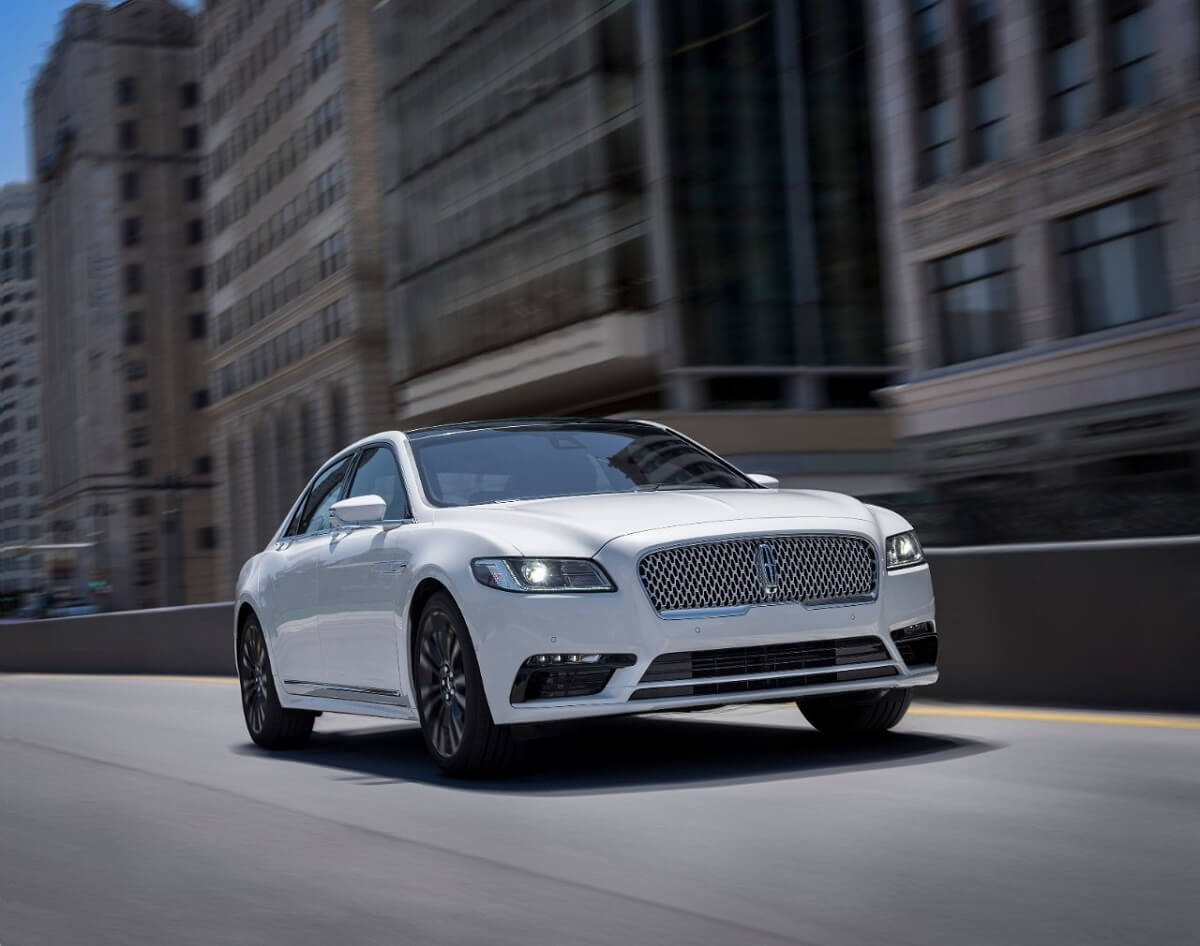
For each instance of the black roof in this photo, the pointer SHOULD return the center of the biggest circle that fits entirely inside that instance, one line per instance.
(505, 423)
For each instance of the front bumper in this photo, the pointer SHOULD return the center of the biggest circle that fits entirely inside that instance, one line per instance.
(508, 628)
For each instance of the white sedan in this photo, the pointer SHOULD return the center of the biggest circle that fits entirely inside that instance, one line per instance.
(477, 577)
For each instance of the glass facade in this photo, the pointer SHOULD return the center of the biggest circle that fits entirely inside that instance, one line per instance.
(725, 138)
(741, 299)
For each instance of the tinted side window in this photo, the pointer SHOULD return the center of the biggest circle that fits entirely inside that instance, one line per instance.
(314, 517)
(379, 475)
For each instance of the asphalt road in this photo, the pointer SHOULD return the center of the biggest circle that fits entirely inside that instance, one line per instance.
(135, 810)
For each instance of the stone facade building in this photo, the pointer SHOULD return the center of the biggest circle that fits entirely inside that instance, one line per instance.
(637, 206)
(20, 392)
(116, 124)
(297, 347)
(1040, 195)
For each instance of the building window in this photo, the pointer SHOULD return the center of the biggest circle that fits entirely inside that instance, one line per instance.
(1133, 47)
(126, 90)
(133, 279)
(197, 325)
(195, 231)
(135, 370)
(1070, 91)
(987, 121)
(937, 142)
(972, 294)
(131, 231)
(139, 437)
(143, 506)
(135, 328)
(189, 95)
(331, 255)
(206, 537)
(191, 137)
(1114, 258)
(137, 401)
(200, 399)
(130, 185)
(192, 188)
(140, 469)
(127, 135)
(202, 465)
(195, 279)
(930, 16)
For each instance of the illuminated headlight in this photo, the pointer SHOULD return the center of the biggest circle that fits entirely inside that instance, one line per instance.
(541, 574)
(904, 551)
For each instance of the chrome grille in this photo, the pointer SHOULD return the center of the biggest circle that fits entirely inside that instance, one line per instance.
(808, 568)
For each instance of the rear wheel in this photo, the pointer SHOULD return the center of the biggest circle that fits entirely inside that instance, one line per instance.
(269, 724)
(857, 714)
(455, 720)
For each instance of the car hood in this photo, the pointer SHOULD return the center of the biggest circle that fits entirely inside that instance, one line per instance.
(582, 525)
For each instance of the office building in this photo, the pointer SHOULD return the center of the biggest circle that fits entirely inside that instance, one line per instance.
(1041, 210)
(117, 139)
(20, 393)
(297, 349)
(638, 207)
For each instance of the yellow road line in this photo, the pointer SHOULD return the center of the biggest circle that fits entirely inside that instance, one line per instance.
(1060, 716)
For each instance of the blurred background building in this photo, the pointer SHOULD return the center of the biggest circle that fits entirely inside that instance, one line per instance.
(297, 343)
(638, 207)
(116, 127)
(20, 393)
(1040, 197)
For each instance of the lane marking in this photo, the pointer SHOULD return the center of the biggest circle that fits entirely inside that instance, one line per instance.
(1059, 716)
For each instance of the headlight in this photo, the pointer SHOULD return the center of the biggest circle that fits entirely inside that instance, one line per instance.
(541, 574)
(904, 551)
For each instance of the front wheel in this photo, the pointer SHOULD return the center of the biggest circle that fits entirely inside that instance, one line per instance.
(455, 720)
(269, 724)
(857, 714)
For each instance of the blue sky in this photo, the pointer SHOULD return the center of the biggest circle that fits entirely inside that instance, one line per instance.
(27, 30)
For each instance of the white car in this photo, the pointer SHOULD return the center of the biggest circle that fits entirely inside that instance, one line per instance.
(476, 577)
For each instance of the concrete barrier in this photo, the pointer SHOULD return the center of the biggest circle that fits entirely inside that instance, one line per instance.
(1105, 624)
(1102, 624)
(194, 640)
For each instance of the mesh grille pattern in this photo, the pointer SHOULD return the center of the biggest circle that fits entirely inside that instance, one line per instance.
(813, 569)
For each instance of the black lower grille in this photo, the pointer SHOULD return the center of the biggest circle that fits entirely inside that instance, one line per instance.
(770, 658)
(918, 645)
(762, 685)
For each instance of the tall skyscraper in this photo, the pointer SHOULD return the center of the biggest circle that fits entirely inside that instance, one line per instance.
(1041, 213)
(297, 345)
(116, 120)
(642, 206)
(20, 392)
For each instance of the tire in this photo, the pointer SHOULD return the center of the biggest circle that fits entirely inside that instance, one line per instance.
(455, 719)
(269, 724)
(851, 715)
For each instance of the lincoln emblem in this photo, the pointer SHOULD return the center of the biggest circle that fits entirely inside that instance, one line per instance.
(768, 571)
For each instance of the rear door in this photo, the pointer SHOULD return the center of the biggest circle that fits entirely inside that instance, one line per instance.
(294, 592)
(364, 578)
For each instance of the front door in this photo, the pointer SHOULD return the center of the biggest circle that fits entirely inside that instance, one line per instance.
(364, 581)
(294, 594)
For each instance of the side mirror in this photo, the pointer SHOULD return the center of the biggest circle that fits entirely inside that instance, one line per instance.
(764, 479)
(358, 511)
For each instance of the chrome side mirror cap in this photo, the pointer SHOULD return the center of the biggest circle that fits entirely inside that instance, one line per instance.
(358, 510)
(764, 479)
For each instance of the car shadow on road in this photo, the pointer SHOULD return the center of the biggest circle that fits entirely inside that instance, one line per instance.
(636, 754)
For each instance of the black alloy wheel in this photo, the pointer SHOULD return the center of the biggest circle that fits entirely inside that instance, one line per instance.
(456, 721)
(269, 724)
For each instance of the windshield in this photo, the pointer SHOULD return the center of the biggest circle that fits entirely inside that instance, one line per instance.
(534, 461)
